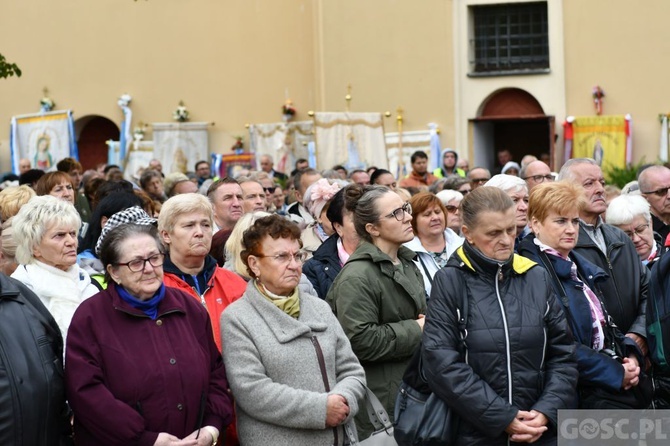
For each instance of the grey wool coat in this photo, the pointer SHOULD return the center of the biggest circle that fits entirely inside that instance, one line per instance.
(274, 373)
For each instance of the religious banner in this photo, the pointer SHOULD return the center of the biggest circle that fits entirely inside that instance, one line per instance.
(232, 164)
(354, 140)
(399, 165)
(138, 156)
(285, 142)
(178, 146)
(606, 139)
(43, 138)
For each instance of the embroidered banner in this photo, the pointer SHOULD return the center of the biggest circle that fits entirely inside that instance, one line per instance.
(43, 138)
(399, 165)
(284, 142)
(606, 139)
(355, 140)
(178, 146)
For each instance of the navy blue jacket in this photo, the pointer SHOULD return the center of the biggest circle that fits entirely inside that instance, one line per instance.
(595, 369)
(324, 266)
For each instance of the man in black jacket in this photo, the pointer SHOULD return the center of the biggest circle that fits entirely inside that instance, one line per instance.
(625, 290)
(33, 411)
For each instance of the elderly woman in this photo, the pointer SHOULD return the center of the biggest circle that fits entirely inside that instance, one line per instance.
(273, 335)
(433, 241)
(328, 259)
(518, 368)
(11, 200)
(517, 190)
(378, 296)
(554, 217)
(57, 184)
(451, 200)
(316, 201)
(631, 214)
(185, 225)
(142, 367)
(45, 230)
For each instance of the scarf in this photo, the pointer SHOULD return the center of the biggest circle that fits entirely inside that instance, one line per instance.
(597, 316)
(148, 307)
(288, 304)
(341, 252)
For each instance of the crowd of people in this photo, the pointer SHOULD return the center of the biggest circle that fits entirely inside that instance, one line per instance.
(189, 309)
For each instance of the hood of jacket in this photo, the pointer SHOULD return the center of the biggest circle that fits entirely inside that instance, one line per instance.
(469, 258)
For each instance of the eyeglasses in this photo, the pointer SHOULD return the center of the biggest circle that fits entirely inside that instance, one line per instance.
(138, 265)
(399, 214)
(540, 178)
(662, 192)
(637, 231)
(270, 190)
(284, 258)
(451, 208)
(479, 180)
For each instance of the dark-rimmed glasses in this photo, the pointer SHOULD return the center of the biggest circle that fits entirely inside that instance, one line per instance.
(540, 178)
(138, 265)
(284, 258)
(637, 231)
(662, 192)
(399, 214)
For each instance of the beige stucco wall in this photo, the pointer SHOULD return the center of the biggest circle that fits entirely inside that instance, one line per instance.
(621, 46)
(229, 61)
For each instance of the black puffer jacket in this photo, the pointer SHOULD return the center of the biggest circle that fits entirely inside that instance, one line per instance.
(324, 266)
(32, 393)
(519, 348)
(625, 290)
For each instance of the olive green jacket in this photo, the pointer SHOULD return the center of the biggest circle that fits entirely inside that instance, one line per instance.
(377, 308)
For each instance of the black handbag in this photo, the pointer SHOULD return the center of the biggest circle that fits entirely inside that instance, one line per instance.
(422, 418)
(592, 397)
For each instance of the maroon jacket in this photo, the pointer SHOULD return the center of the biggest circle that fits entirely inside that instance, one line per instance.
(128, 377)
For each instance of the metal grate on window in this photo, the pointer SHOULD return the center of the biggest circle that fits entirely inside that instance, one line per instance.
(510, 37)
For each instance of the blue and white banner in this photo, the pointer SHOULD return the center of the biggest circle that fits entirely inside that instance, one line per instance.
(43, 138)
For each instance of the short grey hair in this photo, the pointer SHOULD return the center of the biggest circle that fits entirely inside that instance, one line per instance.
(35, 218)
(234, 245)
(624, 208)
(507, 183)
(643, 180)
(566, 170)
(183, 204)
(447, 195)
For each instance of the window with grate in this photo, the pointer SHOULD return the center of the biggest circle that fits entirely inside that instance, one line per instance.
(510, 37)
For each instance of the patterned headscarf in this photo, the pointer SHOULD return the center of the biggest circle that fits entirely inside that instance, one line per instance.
(135, 215)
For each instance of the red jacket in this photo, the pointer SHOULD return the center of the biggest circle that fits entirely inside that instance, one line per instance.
(128, 377)
(223, 288)
(419, 181)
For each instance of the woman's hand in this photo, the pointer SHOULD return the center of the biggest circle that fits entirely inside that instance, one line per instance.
(421, 321)
(521, 430)
(165, 439)
(631, 373)
(337, 410)
(201, 437)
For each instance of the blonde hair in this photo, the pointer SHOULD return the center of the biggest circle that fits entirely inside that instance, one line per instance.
(182, 204)
(12, 198)
(233, 248)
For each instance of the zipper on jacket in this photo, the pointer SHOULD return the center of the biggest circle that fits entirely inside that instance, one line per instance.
(507, 346)
(544, 344)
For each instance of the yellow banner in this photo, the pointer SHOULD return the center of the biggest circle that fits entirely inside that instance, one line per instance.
(602, 138)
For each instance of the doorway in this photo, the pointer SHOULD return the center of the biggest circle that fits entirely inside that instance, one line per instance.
(511, 119)
(92, 133)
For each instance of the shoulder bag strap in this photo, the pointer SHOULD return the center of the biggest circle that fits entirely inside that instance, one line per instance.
(324, 374)
(425, 269)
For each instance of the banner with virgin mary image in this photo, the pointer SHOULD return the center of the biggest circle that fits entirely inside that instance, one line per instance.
(43, 138)
(178, 146)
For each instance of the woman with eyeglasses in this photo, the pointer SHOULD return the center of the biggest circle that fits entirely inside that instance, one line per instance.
(510, 368)
(433, 241)
(631, 214)
(291, 369)
(142, 367)
(451, 200)
(379, 296)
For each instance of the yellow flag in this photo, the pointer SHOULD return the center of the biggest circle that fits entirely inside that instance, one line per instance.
(603, 138)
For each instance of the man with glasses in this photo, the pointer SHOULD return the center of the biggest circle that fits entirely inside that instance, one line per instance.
(478, 176)
(654, 184)
(625, 288)
(536, 172)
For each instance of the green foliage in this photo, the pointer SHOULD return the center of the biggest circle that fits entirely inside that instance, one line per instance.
(620, 176)
(8, 69)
